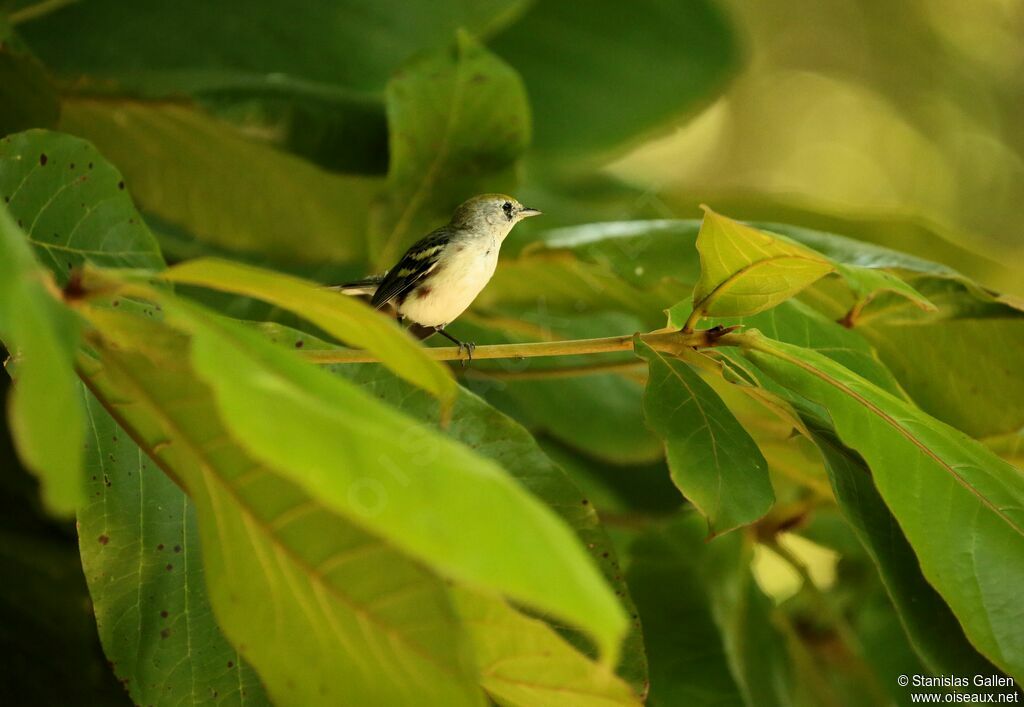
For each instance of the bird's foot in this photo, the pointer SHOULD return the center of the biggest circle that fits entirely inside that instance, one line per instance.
(469, 348)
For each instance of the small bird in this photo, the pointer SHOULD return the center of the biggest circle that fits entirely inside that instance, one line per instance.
(441, 274)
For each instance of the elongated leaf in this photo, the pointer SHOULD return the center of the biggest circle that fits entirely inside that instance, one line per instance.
(931, 627)
(324, 611)
(72, 204)
(745, 271)
(342, 317)
(498, 437)
(616, 71)
(438, 501)
(458, 122)
(45, 416)
(714, 462)
(201, 174)
(523, 662)
(140, 551)
(959, 505)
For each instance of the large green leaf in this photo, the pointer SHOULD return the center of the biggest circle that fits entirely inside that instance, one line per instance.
(714, 462)
(342, 317)
(45, 415)
(140, 550)
(498, 437)
(324, 611)
(602, 76)
(958, 504)
(458, 511)
(72, 204)
(201, 174)
(931, 627)
(459, 120)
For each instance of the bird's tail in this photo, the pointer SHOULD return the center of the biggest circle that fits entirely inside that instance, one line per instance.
(366, 286)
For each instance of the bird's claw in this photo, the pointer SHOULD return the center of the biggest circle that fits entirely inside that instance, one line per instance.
(469, 348)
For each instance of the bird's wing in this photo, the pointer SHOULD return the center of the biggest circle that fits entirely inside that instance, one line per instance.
(414, 266)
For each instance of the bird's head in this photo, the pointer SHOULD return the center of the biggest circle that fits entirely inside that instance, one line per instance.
(491, 214)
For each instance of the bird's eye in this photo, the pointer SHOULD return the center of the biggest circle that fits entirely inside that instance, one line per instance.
(507, 207)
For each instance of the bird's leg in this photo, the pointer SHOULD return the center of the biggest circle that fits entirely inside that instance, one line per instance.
(467, 347)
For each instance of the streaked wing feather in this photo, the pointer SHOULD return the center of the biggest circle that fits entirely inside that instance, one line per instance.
(415, 265)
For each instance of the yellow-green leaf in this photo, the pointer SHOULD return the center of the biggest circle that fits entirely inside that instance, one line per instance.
(525, 663)
(745, 271)
(46, 417)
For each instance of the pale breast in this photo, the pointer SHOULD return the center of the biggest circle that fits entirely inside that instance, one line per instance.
(453, 285)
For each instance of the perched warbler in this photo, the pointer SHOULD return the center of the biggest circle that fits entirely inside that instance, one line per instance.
(442, 273)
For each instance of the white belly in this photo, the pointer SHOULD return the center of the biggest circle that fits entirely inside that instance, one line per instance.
(453, 285)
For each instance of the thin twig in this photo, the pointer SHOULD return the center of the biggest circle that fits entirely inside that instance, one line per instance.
(671, 342)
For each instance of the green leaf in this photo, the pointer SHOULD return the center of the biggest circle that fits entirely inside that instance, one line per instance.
(602, 77)
(201, 174)
(72, 204)
(931, 627)
(523, 662)
(458, 120)
(360, 621)
(745, 271)
(459, 512)
(958, 504)
(140, 550)
(350, 321)
(45, 414)
(714, 462)
(496, 436)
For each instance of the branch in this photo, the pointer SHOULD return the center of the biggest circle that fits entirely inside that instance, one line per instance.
(670, 342)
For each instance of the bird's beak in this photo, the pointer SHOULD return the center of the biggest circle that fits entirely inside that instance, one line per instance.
(527, 212)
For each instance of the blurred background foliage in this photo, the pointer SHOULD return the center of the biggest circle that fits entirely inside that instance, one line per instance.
(322, 137)
(896, 122)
